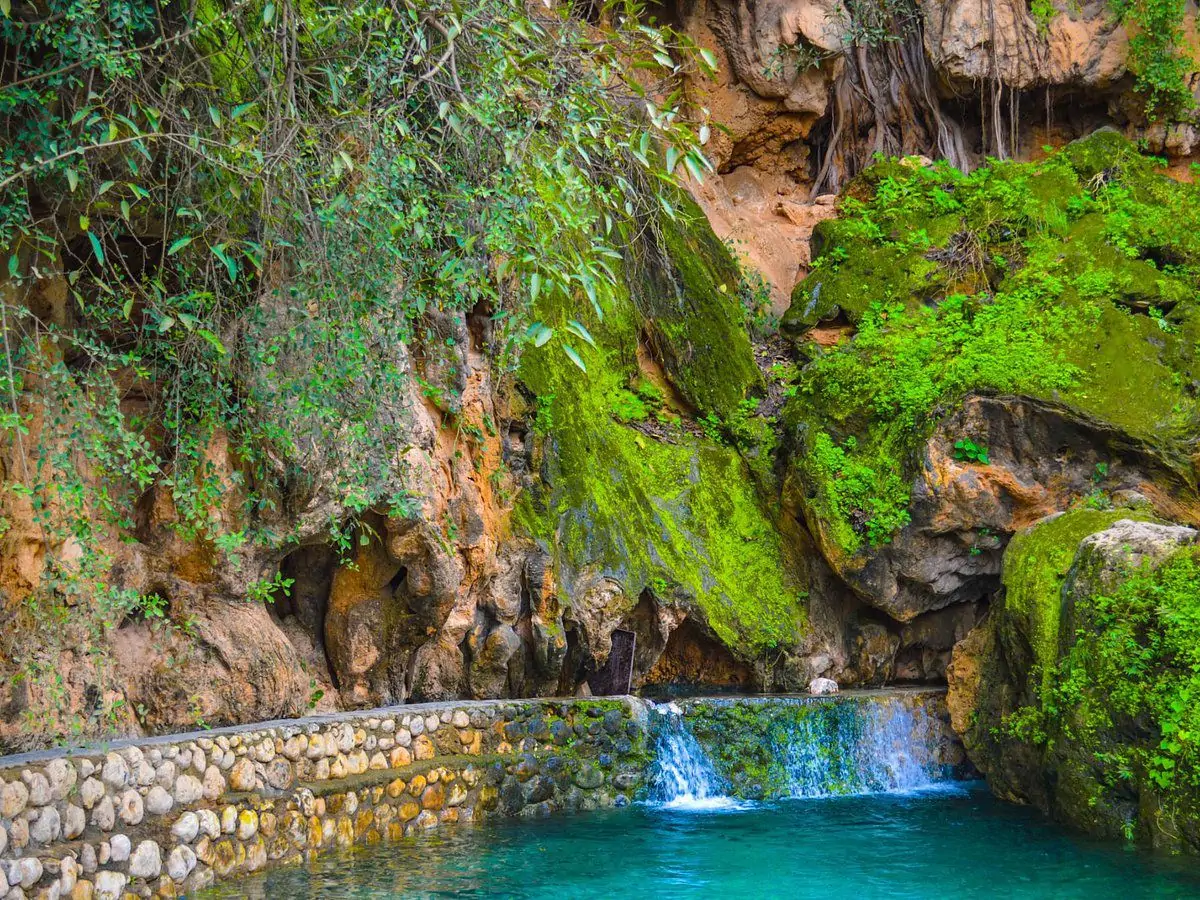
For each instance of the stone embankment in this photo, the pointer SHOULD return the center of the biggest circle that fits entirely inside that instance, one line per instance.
(168, 816)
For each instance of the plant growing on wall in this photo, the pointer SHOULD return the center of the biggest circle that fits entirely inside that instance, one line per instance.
(224, 224)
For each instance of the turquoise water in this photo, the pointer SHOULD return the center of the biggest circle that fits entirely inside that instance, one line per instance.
(948, 841)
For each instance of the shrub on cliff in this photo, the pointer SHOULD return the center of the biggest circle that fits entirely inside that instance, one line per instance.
(224, 224)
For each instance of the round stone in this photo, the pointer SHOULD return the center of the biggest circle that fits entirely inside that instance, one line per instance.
(13, 798)
(62, 777)
(146, 861)
(119, 847)
(110, 885)
(39, 788)
(188, 789)
(186, 827)
(74, 820)
(210, 824)
(115, 772)
(242, 777)
(90, 792)
(158, 801)
(180, 863)
(130, 809)
(104, 814)
(46, 827)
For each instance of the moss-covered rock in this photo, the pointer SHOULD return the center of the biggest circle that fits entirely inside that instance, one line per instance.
(1072, 280)
(1083, 697)
(660, 508)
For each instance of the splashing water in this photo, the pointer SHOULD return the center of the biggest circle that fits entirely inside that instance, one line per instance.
(683, 776)
(865, 747)
(818, 749)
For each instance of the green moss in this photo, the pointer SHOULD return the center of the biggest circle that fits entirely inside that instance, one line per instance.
(685, 290)
(1073, 279)
(1114, 722)
(683, 512)
(1036, 565)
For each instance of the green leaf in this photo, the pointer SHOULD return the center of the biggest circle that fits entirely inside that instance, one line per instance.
(709, 58)
(72, 179)
(577, 328)
(574, 357)
(165, 324)
(6, 8)
(268, 13)
(541, 335)
(96, 248)
(84, 223)
(215, 115)
(673, 155)
(212, 339)
(535, 286)
(127, 309)
(104, 188)
(178, 245)
(230, 263)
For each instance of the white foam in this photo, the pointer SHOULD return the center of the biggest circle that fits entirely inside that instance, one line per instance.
(688, 803)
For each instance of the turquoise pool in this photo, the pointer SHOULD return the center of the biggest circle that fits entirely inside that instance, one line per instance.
(948, 841)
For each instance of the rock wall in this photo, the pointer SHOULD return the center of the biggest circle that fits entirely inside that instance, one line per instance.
(169, 816)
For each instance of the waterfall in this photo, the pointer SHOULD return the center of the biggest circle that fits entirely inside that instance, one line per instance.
(881, 746)
(717, 750)
(683, 775)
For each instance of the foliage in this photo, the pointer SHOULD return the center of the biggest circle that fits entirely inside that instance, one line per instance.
(966, 450)
(257, 207)
(1125, 696)
(1159, 56)
(1043, 13)
(663, 507)
(1089, 238)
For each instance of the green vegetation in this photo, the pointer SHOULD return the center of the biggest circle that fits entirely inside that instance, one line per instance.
(1159, 55)
(1036, 565)
(229, 227)
(1024, 278)
(680, 515)
(1117, 701)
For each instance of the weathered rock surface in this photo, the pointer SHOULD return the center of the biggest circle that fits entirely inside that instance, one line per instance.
(963, 514)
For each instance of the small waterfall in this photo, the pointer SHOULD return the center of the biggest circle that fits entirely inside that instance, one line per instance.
(683, 775)
(721, 749)
(883, 746)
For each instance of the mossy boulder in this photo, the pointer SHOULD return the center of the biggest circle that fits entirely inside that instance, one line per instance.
(1080, 694)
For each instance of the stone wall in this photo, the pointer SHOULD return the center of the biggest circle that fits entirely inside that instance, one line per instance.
(162, 817)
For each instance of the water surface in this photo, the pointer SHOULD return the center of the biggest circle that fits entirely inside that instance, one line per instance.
(951, 840)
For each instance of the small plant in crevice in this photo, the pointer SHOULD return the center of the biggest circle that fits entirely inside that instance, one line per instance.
(966, 450)
(983, 535)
